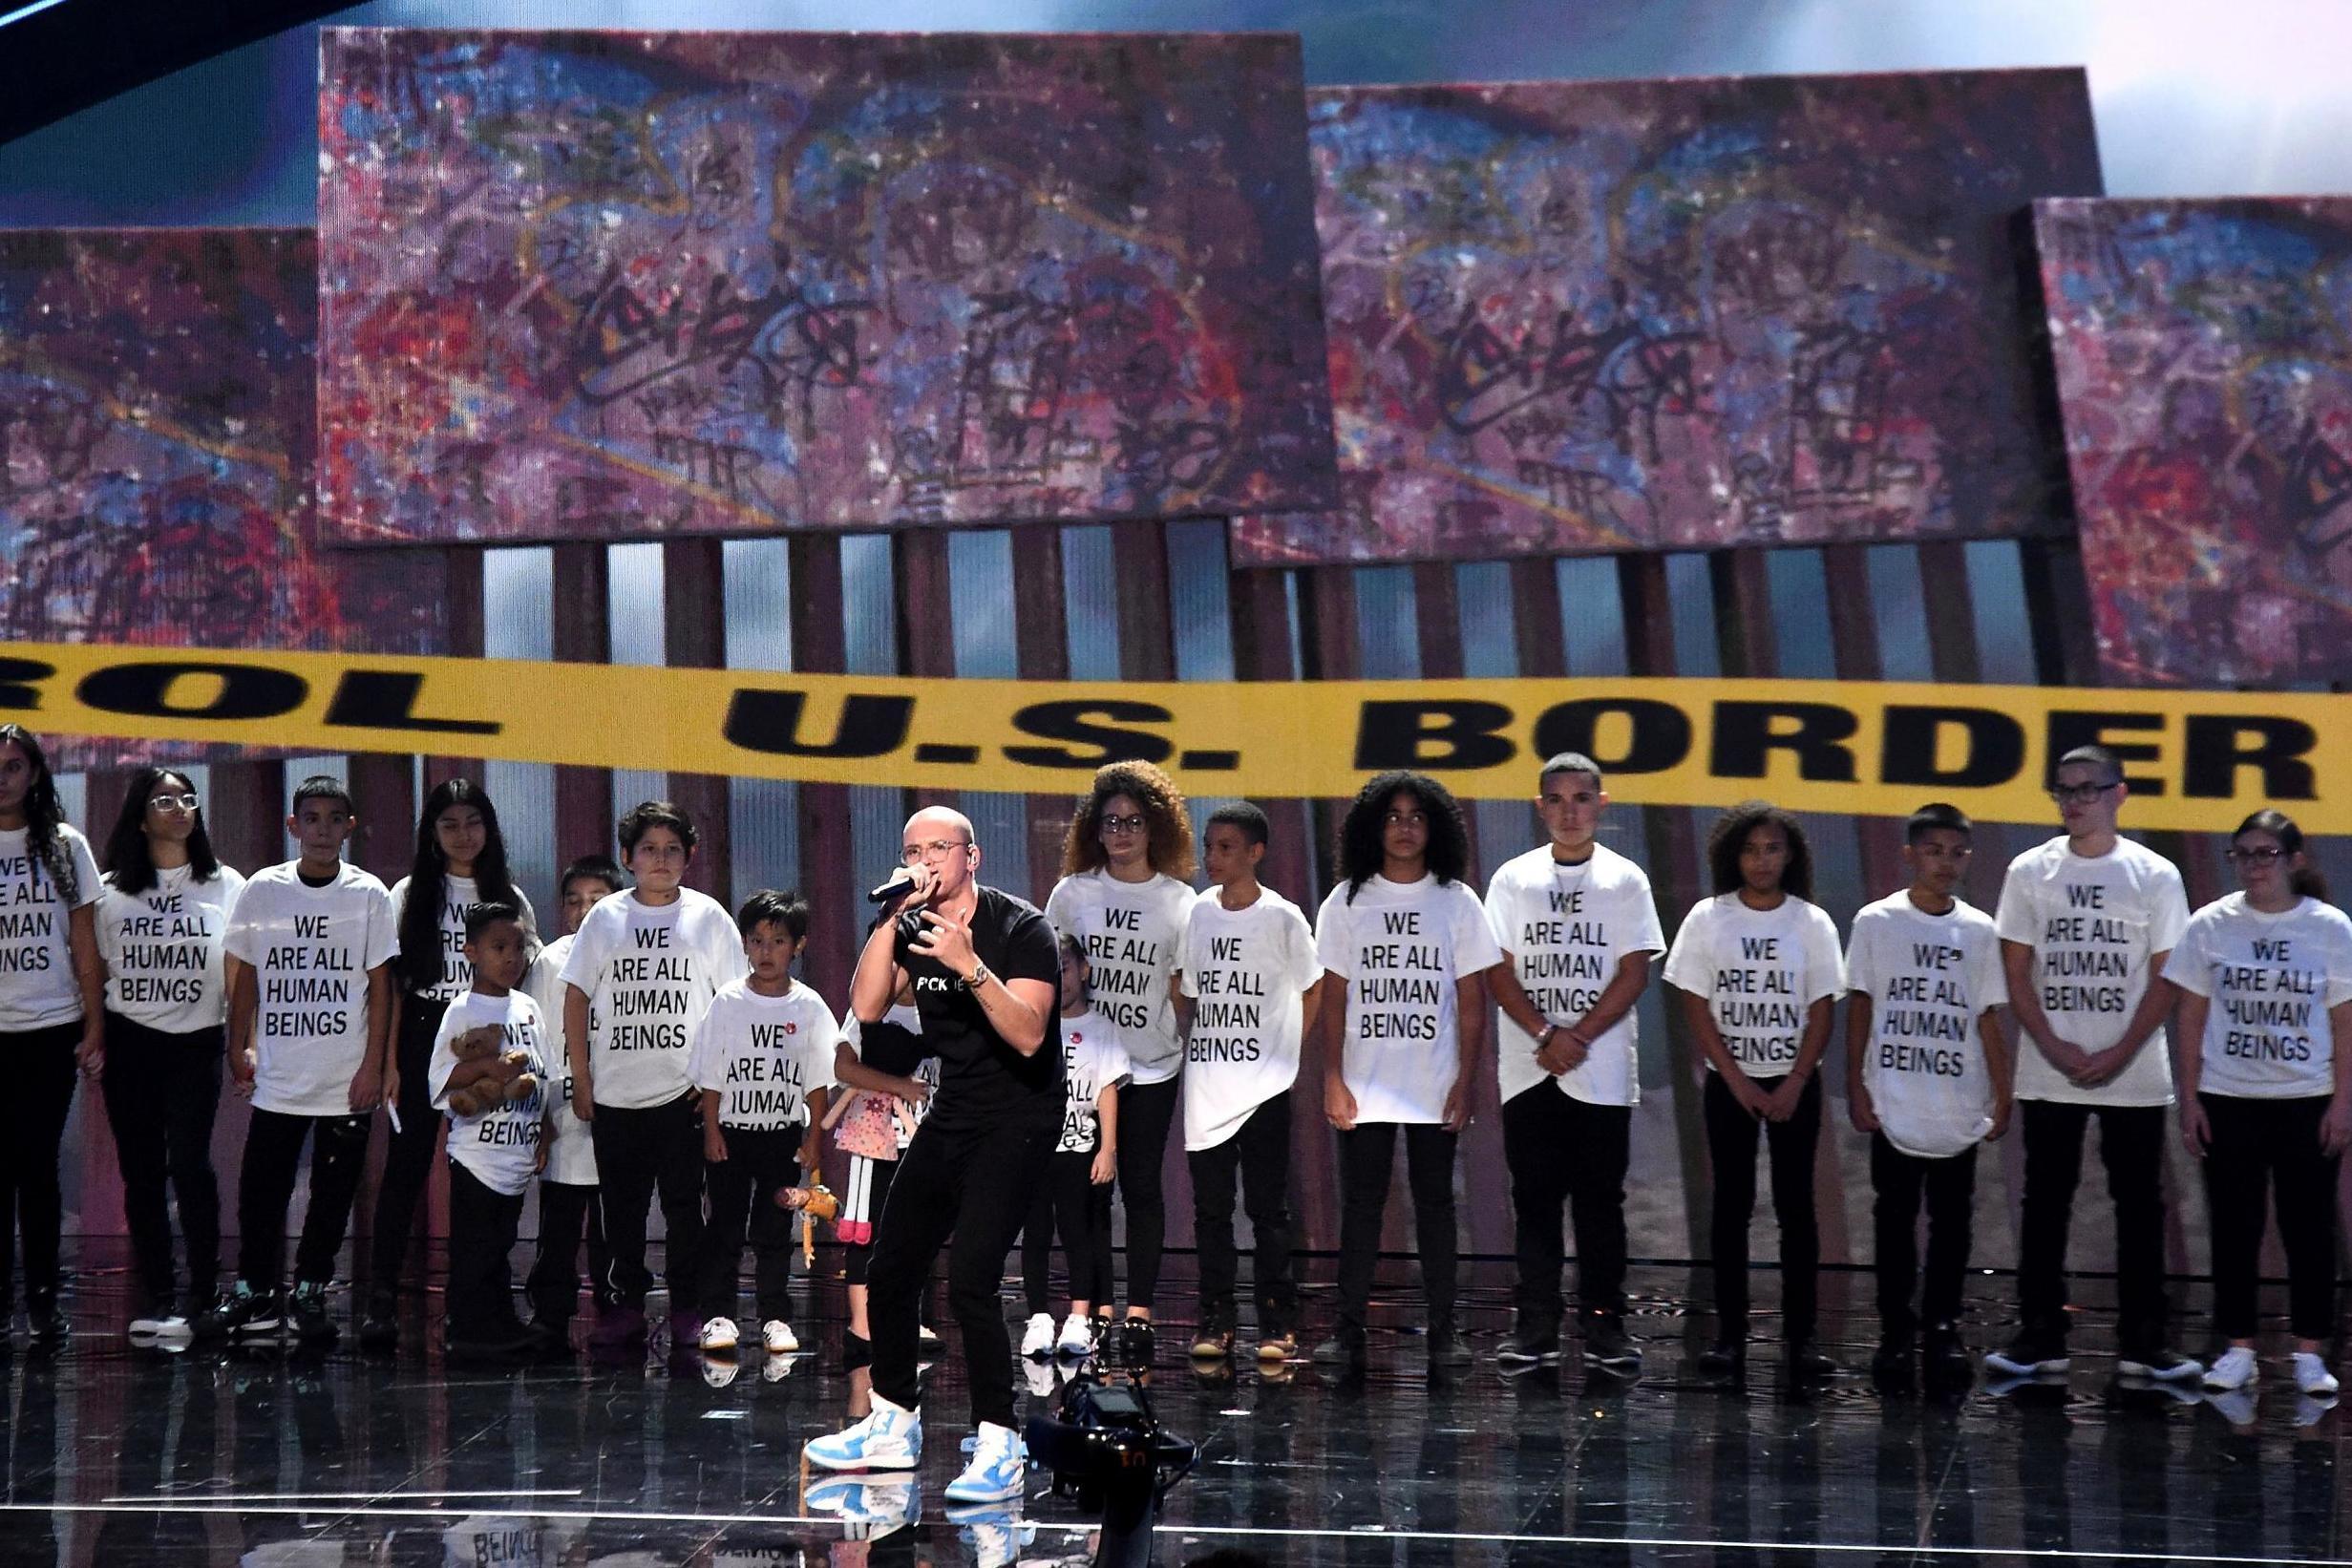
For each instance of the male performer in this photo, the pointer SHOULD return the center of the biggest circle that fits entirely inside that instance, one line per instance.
(987, 975)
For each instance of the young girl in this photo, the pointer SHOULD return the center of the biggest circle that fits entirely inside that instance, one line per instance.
(2265, 1080)
(460, 862)
(160, 928)
(891, 1083)
(50, 1016)
(1125, 892)
(1078, 1177)
(1758, 966)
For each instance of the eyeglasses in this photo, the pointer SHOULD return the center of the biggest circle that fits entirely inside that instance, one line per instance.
(1124, 824)
(2079, 795)
(937, 849)
(2262, 855)
(174, 802)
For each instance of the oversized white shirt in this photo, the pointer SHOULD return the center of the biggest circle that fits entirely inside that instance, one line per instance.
(1567, 929)
(459, 894)
(763, 1054)
(310, 949)
(1248, 971)
(498, 1147)
(1404, 949)
(163, 948)
(2269, 979)
(1093, 1060)
(649, 971)
(571, 1149)
(1133, 935)
(37, 989)
(1761, 971)
(1929, 980)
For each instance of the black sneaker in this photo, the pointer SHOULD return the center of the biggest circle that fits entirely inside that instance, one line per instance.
(1804, 1362)
(1606, 1345)
(1137, 1344)
(1725, 1358)
(1344, 1349)
(2162, 1362)
(379, 1327)
(501, 1343)
(1534, 1339)
(45, 1317)
(1214, 1340)
(240, 1312)
(2033, 1353)
(1945, 1355)
(306, 1312)
(1893, 1364)
(1449, 1348)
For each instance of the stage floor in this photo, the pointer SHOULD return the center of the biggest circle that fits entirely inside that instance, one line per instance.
(119, 1456)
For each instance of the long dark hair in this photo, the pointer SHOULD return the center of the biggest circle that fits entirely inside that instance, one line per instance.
(1168, 825)
(1360, 855)
(2305, 883)
(419, 966)
(44, 817)
(1730, 835)
(128, 856)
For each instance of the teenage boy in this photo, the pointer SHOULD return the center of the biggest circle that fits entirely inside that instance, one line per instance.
(2087, 921)
(1928, 1078)
(309, 1020)
(1256, 982)
(1579, 931)
(569, 1204)
(642, 969)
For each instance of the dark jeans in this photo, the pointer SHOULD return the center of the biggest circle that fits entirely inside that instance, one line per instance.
(1563, 1152)
(408, 1153)
(1259, 1153)
(1950, 1188)
(1368, 1161)
(40, 1096)
(1083, 1211)
(482, 1222)
(2131, 1148)
(743, 1188)
(265, 1186)
(2260, 1146)
(636, 1151)
(1146, 1112)
(971, 1184)
(1731, 1134)
(565, 1212)
(162, 1092)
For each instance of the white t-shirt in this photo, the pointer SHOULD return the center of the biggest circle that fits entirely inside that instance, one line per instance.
(2271, 980)
(310, 949)
(2093, 923)
(1567, 929)
(649, 971)
(905, 1114)
(763, 1054)
(1404, 949)
(1761, 971)
(571, 1151)
(162, 949)
(1093, 1059)
(1929, 980)
(457, 895)
(498, 1148)
(1248, 971)
(37, 991)
(1133, 934)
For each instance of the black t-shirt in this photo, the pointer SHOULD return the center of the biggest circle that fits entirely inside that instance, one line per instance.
(980, 1077)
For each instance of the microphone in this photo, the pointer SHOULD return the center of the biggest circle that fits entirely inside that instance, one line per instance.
(901, 881)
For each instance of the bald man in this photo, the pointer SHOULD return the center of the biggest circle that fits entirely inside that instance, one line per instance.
(986, 978)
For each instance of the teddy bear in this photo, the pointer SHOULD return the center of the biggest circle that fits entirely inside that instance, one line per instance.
(485, 1076)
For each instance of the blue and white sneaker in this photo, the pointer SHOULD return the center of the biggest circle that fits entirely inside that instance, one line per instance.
(891, 1438)
(993, 1534)
(873, 1506)
(999, 1469)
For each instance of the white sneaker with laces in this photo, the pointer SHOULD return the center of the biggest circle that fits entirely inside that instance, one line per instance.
(890, 1438)
(997, 1471)
(2235, 1368)
(1077, 1336)
(719, 1334)
(1037, 1339)
(777, 1338)
(2310, 1374)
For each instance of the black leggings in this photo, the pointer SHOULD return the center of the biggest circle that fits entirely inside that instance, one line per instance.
(162, 1092)
(1069, 1196)
(40, 1096)
(2261, 1147)
(1731, 1146)
(1368, 1163)
(1146, 1111)
(408, 1153)
(265, 1186)
(1259, 1153)
(565, 1212)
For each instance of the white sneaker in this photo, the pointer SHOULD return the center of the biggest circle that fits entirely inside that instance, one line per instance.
(2310, 1374)
(1077, 1336)
(777, 1338)
(719, 1371)
(719, 1334)
(1037, 1339)
(2234, 1370)
(2311, 1408)
(891, 1438)
(1037, 1371)
(2235, 1406)
(997, 1471)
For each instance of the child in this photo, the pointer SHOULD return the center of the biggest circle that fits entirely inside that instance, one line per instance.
(1927, 1077)
(1252, 971)
(489, 1072)
(1077, 1184)
(642, 969)
(892, 1082)
(762, 1059)
(567, 1192)
(309, 1019)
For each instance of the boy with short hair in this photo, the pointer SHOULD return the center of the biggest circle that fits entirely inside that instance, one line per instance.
(763, 1060)
(568, 1197)
(309, 1018)
(488, 1075)
(1927, 1077)
(1255, 985)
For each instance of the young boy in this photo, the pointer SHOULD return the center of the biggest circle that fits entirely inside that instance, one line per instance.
(763, 1060)
(1256, 985)
(498, 1106)
(642, 969)
(567, 1190)
(310, 1017)
(1927, 1077)
(1078, 1175)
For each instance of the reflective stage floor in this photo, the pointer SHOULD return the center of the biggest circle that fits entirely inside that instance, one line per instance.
(118, 1455)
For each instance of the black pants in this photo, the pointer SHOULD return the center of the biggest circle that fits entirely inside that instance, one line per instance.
(1068, 1199)
(857, 1257)
(162, 1092)
(637, 1151)
(1367, 1159)
(973, 1185)
(1950, 1187)
(1259, 1153)
(743, 1190)
(408, 1153)
(482, 1222)
(40, 1096)
(1731, 1145)
(1566, 1152)
(2131, 1148)
(565, 1212)
(1146, 1112)
(265, 1186)
(2260, 1146)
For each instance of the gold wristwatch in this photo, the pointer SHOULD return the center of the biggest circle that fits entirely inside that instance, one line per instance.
(978, 978)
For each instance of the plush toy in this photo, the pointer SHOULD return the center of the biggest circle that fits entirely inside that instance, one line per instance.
(484, 1076)
(813, 1203)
